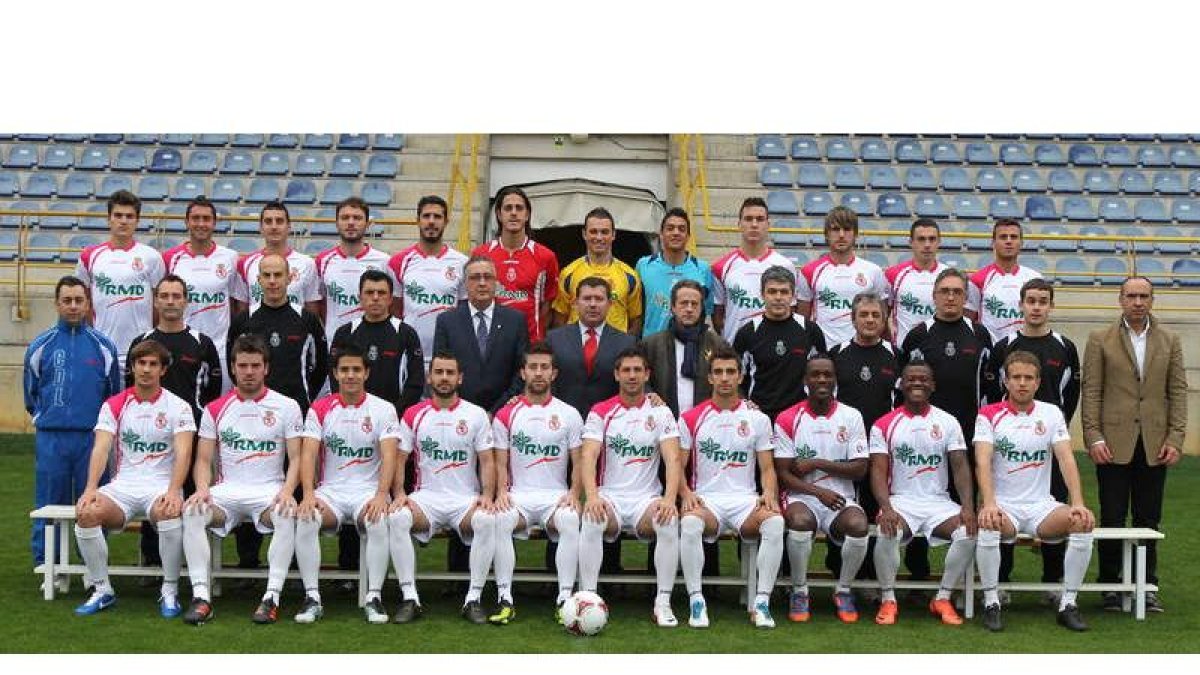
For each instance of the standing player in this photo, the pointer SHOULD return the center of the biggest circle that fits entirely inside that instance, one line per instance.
(631, 437)
(349, 455)
(725, 441)
(151, 432)
(911, 282)
(737, 289)
(828, 284)
(537, 437)
(1013, 441)
(429, 274)
(821, 449)
(245, 433)
(994, 296)
(120, 274)
(526, 271)
(625, 312)
(910, 449)
(340, 267)
(660, 271)
(303, 287)
(450, 442)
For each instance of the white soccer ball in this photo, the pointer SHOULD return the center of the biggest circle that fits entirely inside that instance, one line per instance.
(584, 613)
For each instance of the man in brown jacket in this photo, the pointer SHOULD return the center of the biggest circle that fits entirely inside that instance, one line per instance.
(678, 356)
(1134, 418)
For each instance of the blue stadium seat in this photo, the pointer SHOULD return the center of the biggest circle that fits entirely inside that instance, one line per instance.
(1064, 181)
(1194, 182)
(766, 147)
(910, 150)
(811, 176)
(955, 179)
(1173, 138)
(944, 153)
(21, 157)
(237, 227)
(315, 246)
(272, 164)
(15, 221)
(1040, 208)
(227, 190)
(113, 182)
(263, 190)
(892, 205)
(1049, 154)
(1153, 155)
(1099, 182)
(875, 150)
(201, 161)
(1184, 156)
(187, 189)
(1142, 138)
(61, 222)
(991, 180)
(930, 206)
(317, 141)
(75, 186)
(212, 140)
(39, 185)
(152, 188)
(237, 163)
(353, 141)
(300, 191)
(1083, 155)
(849, 177)
(282, 140)
(775, 174)
(43, 240)
(141, 139)
(1138, 246)
(983, 240)
(1186, 272)
(1004, 207)
(968, 206)
(799, 258)
(75, 246)
(98, 222)
(337, 190)
(8, 246)
(1182, 211)
(839, 150)
(130, 159)
(58, 157)
(39, 138)
(164, 244)
(1134, 182)
(879, 258)
(1115, 210)
(865, 240)
(805, 147)
(1089, 243)
(789, 224)
(309, 164)
(377, 193)
(1015, 154)
(883, 178)
(242, 245)
(388, 142)
(980, 153)
(1106, 137)
(347, 166)
(176, 139)
(1169, 183)
(1035, 262)
(919, 178)
(1171, 247)
(70, 138)
(9, 185)
(1073, 270)
(815, 203)
(384, 165)
(107, 138)
(1119, 155)
(175, 225)
(247, 141)
(899, 239)
(1028, 180)
(858, 202)
(1153, 269)
(1078, 208)
(165, 160)
(1151, 210)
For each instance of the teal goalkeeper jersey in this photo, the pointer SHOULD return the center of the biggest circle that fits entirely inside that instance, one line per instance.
(659, 277)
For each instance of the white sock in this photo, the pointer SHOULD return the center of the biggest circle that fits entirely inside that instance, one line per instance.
(483, 550)
(308, 552)
(170, 549)
(403, 557)
(280, 551)
(854, 551)
(506, 556)
(691, 551)
(799, 548)
(94, 549)
(566, 558)
(958, 561)
(1075, 564)
(666, 557)
(196, 550)
(591, 553)
(377, 557)
(770, 555)
(987, 559)
(887, 565)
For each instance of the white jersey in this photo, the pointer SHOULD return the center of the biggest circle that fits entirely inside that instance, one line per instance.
(303, 283)
(996, 296)
(339, 276)
(837, 436)
(630, 456)
(831, 288)
(721, 446)
(430, 285)
(350, 436)
(143, 448)
(444, 444)
(121, 281)
(212, 280)
(539, 440)
(1022, 447)
(918, 449)
(251, 436)
(911, 289)
(737, 286)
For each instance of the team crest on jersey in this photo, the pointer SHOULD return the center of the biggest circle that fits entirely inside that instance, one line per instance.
(744, 429)
(865, 374)
(843, 435)
(1039, 428)
(650, 424)
(137, 265)
(293, 275)
(860, 279)
(950, 349)
(555, 424)
(935, 432)
(372, 353)
(461, 428)
(780, 348)
(220, 271)
(269, 418)
(366, 425)
(511, 276)
(451, 275)
(275, 339)
(160, 422)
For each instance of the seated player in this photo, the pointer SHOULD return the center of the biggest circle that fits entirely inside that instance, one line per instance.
(448, 439)
(723, 441)
(1013, 442)
(910, 448)
(246, 431)
(821, 449)
(349, 453)
(535, 438)
(151, 431)
(631, 437)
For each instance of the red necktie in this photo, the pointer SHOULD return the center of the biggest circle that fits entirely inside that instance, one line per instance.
(589, 350)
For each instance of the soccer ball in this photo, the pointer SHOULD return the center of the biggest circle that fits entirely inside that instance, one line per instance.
(584, 613)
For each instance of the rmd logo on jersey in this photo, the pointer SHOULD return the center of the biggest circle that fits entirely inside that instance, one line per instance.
(632, 454)
(913, 305)
(209, 300)
(340, 448)
(338, 295)
(1026, 460)
(431, 449)
(805, 452)
(908, 456)
(713, 452)
(132, 442)
(739, 297)
(131, 292)
(417, 293)
(233, 440)
(995, 306)
(524, 445)
(829, 298)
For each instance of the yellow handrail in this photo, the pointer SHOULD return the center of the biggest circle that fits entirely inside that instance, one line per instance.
(692, 185)
(468, 184)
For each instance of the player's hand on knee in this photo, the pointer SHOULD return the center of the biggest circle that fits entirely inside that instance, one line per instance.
(769, 503)
(170, 505)
(284, 502)
(666, 511)
(398, 502)
(503, 503)
(969, 521)
(889, 522)
(691, 502)
(831, 499)
(991, 518)
(198, 502)
(307, 508)
(1082, 519)
(570, 501)
(86, 499)
(594, 511)
(376, 508)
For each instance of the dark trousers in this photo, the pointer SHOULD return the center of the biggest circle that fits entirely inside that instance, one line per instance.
(1052, 554)
(1135, 486)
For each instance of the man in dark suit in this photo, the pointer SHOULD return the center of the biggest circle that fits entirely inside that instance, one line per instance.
(587, 350)
(678, 356)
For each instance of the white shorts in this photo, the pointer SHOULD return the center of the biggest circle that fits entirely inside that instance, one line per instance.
(731, 510)
(134, 498)
(444, 511)
(924, 514)
(536, 507)
(823, 514)
(629, 509)
(346, 501)
(1027, 517)
(243, 504)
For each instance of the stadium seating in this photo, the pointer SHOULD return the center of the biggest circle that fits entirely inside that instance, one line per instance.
(849, 177)
(315, 246)
(75, 186)
(1119, 155)
(186, 189)
(1064, 181)
(227, 190)
(893, 205)
(839, 150)
(39, 185)
(1186, 272)
(980, 153)
(107, 138)
(247, 140)
(1186, 211)
(910, 151)
(1004, 207)
(385, 166)
(353, 142)
(983, 239)
(1138, 246)
(21, 157)
(1171, 247)
(1153, 269)
(1028, 180)
(1049, 154)
(1110, 271)
(237, 163)
(804, 148)
(1090, 244)
(335, 191)
(130, 159)
(141, 139)
(318, 141)
(165, 160)
(1184, 156)
(1115, 210)
(377, 193)
(991, 180)
(931, 206)
(919, 178)
(285, 141)
(15, 221)
(1078, 208)
(955, 179)
(1152, 155)
(176, 139)
(263, 190)
(309, 164)
(1099, 182)
(49, 245)
(1194, 183)
(10, 185)
(388, 142)
(1058, 245)
(213, 140)
(1134, 182)
(114, 182)
(152, 188)
(766, 147)
(8, 246)
(968, 206)
(875, 150)
(201, 161)
(242, 245)
(60, 222)
(1169, 183)
(1083, 155)
(75, 246)
(300, 191)
(859, 203)
(884, 178)
(1015, 154)
(1073, 270)
(57, 157)
(944, 153)
(811, 176)
(774, 174)
(1040, 208)
(815, 204)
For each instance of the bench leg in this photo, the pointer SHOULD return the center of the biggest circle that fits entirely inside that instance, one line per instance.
(50, 557)
(64, 557)
(1140, 584)
(969, 592)
(1126, 570)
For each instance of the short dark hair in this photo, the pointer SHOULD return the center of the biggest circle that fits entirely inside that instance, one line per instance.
(512, 190)
(600, 213)
(777, 274)
(351, 350)
(841, 216)
(595, 282)
(539, 347)
(70, 280)
(476, 259)
(818, 356)
(171, 278)
(918, 363)
(375, 275)
(951, 272)
(353, 202)
(200, 202)
(250, 343)
(749, 202)
(1005, 222)
(676, 212)
(445, 355)
(275, 205)
(923, 222)
(688, 283)
(124, 198)
(149, 348)
(724, 352)
(1022, 356)
(867, 298)
(634, 352)
(434, 200)
(1038, 284)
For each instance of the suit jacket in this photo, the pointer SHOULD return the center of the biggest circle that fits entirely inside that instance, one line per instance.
(488, 380)
(660, 347)
(1118, 407)
(573, 385)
